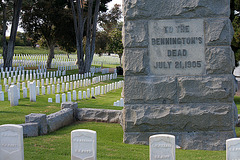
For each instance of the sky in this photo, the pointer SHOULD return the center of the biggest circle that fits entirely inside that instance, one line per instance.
(110, 5)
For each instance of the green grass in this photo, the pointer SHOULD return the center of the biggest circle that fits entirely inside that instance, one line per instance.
(57, 145)
(16, 114)
(31, 50)
(110, 146)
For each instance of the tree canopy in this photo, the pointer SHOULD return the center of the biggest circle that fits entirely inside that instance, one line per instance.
(235, 13)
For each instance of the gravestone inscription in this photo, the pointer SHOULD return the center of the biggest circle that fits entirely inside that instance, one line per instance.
(11, 142)
(83, 145)
(162, 147)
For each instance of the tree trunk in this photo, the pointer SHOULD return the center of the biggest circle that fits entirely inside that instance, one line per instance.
(50, 56)
(79, 28)
(120, 57)
(88, 37)
(93, 36)
(4, 32)
(11, 43)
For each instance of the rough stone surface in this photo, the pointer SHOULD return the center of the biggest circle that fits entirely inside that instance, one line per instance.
(135, 61)
(178, 75)
(199, 140)
(99, 115)
(150, 90)
(40, 119)
(141, 9)
(72, 105)
(140, 36)
(219, 31)
(216, 57)
(30, 129)
(60, 119)
(178, 118)
(202, 89)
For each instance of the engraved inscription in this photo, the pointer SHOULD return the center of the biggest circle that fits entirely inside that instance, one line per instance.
(162, 150)
(9, 141)
(83, 146)
(177, 47)
(234, 152)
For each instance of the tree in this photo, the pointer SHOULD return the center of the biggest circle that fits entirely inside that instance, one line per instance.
(85, 15)
(115, 45)
(102, 39)
(108, 21)
(8, 47)
(46, 19)
(234, 17)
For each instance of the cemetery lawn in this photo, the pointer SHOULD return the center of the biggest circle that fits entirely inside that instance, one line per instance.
(16, 114)
(57, 145)
(31, 50)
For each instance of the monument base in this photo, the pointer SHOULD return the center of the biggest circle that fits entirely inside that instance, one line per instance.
(186, 140)
(196, 126)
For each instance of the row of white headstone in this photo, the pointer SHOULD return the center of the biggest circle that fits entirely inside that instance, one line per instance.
(61, 59)
(84, 145)
(119, 103)
(35, 89)
(87, 94)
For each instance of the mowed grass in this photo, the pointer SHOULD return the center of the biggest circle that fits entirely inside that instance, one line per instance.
(110, 146)
(57, 145)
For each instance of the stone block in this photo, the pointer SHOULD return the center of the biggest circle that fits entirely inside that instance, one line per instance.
(141, 9)
(206, 89)
(219, 31)
(136, 61)
(40, 119)
(178, 118)
(140, 89)
(71, 105)
(216, 57)
(99, 115)
(30, 129)
(60, 119)
(199, 140)
(139, 38)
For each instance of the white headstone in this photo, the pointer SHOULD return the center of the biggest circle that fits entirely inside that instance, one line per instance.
(92, 91)
(11, 142)
(1, 96)
(121, 102)
(74, 95)
(24, 92)
(79, 94)
(53, 89)
(6, 88)
(43, 90)
(162, 146)
(48, 89)
(57, 98)
(37, 90)
(69, 96)
(83, 145)
(49, 100)
(74, 85)
(233, 149)
(67, 86)
(58, 88)
(33, 91)
(88, 93)
(63, 87)
(63, 97)
(102, 89)
(84, 94)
